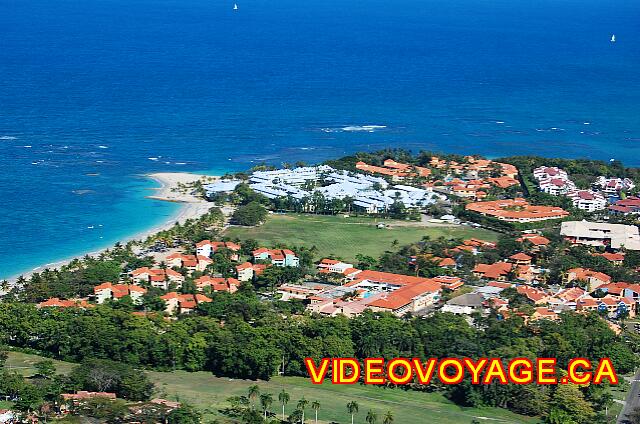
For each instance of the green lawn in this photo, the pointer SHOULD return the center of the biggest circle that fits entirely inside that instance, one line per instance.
(408, 407)
(210, 394)
(23, 363)
(346, 237)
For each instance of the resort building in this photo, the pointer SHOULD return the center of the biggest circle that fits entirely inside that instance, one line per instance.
(614, 185)
(183, 303)
(466, 304)
(55, 302)
(534, 241)
(553, 180)
(537, 296)
(630, 205)
(614, 236)
(298, 291)
(498, 271)
(333, 266)
(520, 259)
(615, 258)
(158, 277)
(396, 170)
(516, 210)
(208, 248)
(216, 284)
(587, 200)
(109, 291)
(189, 262)
(277, 257)
(370, 194)
(593, 279)
(244, 271)
(411, 298)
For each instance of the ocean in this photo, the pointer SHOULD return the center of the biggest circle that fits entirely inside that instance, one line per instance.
(93, 94)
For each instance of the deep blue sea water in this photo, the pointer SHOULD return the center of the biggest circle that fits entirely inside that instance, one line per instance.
(201, 87)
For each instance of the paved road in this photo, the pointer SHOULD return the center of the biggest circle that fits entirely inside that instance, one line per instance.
(632, 401)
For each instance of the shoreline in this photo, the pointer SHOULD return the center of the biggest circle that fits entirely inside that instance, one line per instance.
(190, 207)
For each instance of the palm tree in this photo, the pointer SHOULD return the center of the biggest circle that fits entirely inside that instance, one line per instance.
(283, 397)
(253, 392)
(388, 418)
(266, 400)
(316, 405)
(371, 417)
(302, 403)
(352, 407)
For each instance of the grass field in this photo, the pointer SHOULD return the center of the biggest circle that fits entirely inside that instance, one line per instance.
(23, 363)
(346, 237)
(210, 394)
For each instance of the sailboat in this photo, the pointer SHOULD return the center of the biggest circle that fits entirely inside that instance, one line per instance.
(235, 6)
(613, 38)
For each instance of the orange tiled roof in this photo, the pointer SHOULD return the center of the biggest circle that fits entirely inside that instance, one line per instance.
(405, 295)
(495, 270)
(516, 209)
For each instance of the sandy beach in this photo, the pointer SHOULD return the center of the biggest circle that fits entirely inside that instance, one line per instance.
(191, 207)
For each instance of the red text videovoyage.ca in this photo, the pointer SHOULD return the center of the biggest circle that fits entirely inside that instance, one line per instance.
(455, 370)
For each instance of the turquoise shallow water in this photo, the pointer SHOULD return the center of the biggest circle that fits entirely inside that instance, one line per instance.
(121, 88)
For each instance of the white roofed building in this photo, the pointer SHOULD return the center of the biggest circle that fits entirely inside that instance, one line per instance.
(587, 200)
(614, 236)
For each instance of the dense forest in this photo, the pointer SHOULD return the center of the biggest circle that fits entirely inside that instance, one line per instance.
(239, 336)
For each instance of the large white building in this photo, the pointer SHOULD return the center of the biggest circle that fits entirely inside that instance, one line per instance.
(588, 200)
(614, 185)
(554, 181)
(614, 236)
(369, 193)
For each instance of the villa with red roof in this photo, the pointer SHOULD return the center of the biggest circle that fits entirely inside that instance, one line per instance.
(520, 259)
(396, 170)
(183, 303)
(55, 302)
(497, 271)
(594, 279)
(244, 271)
(157, 277)
(208, 248)
(109, 291)
(544, 312)
(217, 284)
(615, 258)
(537, 296)
(277, 257)
(410, 298)
(533, 241)
(190, 262)
(333, 266)
(630, 205)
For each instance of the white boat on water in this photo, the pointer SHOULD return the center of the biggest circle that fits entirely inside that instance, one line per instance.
(613, 38)
(235, 6)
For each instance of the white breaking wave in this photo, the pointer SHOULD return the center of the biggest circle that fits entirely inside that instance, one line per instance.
(549, 129)
(7, 137)
(355, 128)
(103, 147)
(367, 128)
(152, 158)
